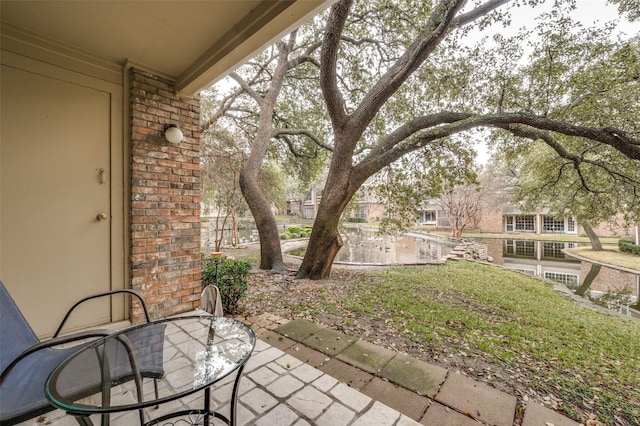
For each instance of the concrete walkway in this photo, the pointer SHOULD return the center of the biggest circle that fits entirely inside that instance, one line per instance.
(425, 393)
(303, 374)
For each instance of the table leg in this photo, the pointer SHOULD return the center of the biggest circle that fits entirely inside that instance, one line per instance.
(84, 420)
(234, 398)
(207, 405)
(105, 373)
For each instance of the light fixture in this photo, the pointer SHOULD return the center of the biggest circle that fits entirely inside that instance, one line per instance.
(173, 133)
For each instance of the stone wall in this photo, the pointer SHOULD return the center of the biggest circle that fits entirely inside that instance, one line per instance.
(165, 197)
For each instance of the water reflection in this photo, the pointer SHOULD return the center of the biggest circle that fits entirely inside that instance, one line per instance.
(366, 246)
(547, 260)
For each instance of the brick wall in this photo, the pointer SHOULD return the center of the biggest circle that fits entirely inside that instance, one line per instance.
(165, 198)
(491, 221)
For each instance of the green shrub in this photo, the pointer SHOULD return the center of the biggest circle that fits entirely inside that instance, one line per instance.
(284, 236)
(628, 245)
(232, 280)
(356, 219)
(293, 229)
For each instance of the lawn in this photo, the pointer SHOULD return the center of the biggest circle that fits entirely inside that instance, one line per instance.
(610, 255)
(504, 328)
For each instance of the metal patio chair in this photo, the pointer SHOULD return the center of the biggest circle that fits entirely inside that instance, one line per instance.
(26, 362)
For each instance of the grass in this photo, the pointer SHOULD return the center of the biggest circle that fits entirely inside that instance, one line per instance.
(536, 341)
(610, 255)
(579, 355)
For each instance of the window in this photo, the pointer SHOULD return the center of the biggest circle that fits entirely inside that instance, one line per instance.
(360, 212)
(520, 223)
(428, 216)
(308, 212)
(552, 226)
(571, 226)
(570, 280)
(509, 224)
(525, 223)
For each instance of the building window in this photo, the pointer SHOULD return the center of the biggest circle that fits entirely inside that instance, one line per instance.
(428, 216)
(308, 212)
(360, 212)
(571, 226)
(520, 223)
(570, 280)
(552, 226)
(508, 224)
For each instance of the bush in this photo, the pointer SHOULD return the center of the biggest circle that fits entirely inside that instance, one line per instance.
(356, 219)
(293, 229)
(627, 245)
(284, 236)
(232, 280)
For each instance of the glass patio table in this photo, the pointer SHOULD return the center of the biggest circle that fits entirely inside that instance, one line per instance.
(180, 355)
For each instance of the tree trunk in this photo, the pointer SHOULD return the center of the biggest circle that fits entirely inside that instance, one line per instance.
(270, 249)
(325, 240)
(235, 241)
(593, 238)
(324, 244)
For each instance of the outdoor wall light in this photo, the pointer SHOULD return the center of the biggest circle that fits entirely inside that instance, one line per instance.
(173, 133)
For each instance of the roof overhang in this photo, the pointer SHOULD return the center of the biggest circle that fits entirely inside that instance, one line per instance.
(193, 42)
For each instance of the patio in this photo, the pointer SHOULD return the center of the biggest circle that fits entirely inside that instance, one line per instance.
(304, 374)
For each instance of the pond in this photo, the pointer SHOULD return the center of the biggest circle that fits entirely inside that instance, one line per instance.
(366, 246)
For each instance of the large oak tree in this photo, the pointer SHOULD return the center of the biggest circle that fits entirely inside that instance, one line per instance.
(398, 81)
(350, 122)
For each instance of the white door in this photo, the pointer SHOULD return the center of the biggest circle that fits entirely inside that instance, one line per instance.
(54, 157)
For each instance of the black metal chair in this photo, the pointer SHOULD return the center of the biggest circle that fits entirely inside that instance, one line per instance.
(26, 362)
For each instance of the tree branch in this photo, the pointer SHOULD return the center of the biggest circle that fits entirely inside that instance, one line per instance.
(329, 59)
(435, 30)
(303, 132)
(427, 129)
(246, 87)
(478, 12)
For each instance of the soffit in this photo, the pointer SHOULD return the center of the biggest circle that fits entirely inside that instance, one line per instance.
(194, 42)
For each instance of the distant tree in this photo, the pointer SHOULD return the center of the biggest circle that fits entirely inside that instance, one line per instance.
(250, 106)
(593, 183)
(463, 207)
(410, 181)
(223, 158)
(496, 182)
